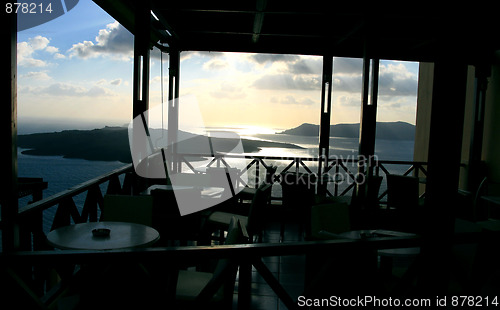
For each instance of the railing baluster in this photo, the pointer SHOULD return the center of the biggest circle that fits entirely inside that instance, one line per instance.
(114, 186)
(336, 184)
(257, 174)
(412, 167)
(274, 284)
(305, 167)
(288, 167)
(63, 213)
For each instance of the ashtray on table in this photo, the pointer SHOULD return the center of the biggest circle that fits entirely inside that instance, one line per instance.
(101, 232)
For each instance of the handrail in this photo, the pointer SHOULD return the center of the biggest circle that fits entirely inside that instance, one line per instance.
(298, 161)
(186, 253)
(71, 192)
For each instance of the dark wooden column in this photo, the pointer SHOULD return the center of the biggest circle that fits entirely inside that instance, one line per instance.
(368, 123)
(142, 45)
(8, 132)
(475, 170)
(326, 108)
(140, 96)
(173, 107)
(445, 143)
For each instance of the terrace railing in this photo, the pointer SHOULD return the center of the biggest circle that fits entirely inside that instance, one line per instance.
(340, 174)
(34, 226)
(341, 181)
(67, 211)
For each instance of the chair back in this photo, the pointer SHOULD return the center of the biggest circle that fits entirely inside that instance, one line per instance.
(270, 171)
(373, 187)
(402, 192)
(330, 217)
(403, 202)
(131, 209)
(257, 209)
(224, 275)
(224, 177)
(298, 189)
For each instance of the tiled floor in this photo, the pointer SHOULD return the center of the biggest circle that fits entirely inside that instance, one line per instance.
(288, 270)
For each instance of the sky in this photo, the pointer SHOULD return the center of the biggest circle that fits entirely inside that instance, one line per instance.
(76, 72)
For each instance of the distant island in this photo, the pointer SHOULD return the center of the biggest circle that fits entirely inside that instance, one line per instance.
(112, 144)
(385, 130)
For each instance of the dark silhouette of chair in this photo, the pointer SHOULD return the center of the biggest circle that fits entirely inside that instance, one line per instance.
(211, 289)
(247, 192)
(372, 190)
(253, 222)
(329, 219)
(167, 218)
(224, 177)
(479, 207)
(366, 213)
(132, 209)
(403, 202)
(298, 191)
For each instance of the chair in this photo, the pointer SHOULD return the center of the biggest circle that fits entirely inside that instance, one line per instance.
(373, 188)
(253, 222)
(132, 209)
(203, 288)
(247, 192)
(224, 177)
(329, 219)
(403, 201)
(480, 211)
(402, 192)
(298, 191)
(167, 218)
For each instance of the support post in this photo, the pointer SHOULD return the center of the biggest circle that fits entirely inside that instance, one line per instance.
(326, 108)
(142, 44)
(173, 108)
(368, 123)
(140, 95)
(8, 132)
(475, 171)
(445, 141)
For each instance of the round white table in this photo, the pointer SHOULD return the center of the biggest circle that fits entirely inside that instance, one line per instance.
(122, 236)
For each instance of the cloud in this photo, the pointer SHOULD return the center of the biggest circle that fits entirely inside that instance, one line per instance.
(287, 82)
(265, 58)
(114, 41)
(287, 72)
(215, 64)
(59, 56)
(394, 79)
(347, 65)
(228, 91)
(349, 101)
(40, 76)
(27, 50)
(347, 83)
(68, 90)
(186, 55)
(292, 100)
(306, 66)
(116, 82)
